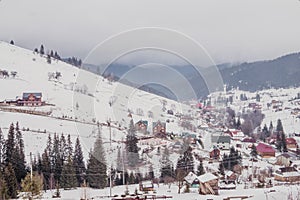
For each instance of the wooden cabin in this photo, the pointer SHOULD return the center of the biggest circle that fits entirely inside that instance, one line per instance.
(209, 184)
(146, 186)
(31, 99)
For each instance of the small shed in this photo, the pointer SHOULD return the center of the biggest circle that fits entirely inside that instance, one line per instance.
(146, 186)
(192, 180)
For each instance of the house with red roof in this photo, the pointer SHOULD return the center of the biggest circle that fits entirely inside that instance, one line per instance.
(291, 143)
(265, 150)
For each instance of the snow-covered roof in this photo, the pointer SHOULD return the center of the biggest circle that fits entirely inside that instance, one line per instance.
(207, 177)
(191, 177)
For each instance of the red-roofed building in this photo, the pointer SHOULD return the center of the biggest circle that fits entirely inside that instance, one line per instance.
(265, 150)
(291, 143)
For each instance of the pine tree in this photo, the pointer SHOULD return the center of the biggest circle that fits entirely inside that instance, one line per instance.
(46, 169)
(221, 169)
(68, 176)
(253, 152)
(186, 162)
(119, 161)
(96, 167)
(131, 178)
(284, 147)
(9, 156)
(12, 42)
(200, 170)
(63, 148)
(271, 128)
(280, 137)
(32, 187)
(42, 51)
(279, 126)
(2, 150)
(131, 146)
(20, 168)
(56, 161)
(78, 162)
(238, 123)
(279, 141)
(167, 169)
(3, 187)
(11, 181)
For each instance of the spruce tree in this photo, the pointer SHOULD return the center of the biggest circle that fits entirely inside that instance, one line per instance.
(167, 169)
(56, 161)
(96, 174)
(2, 150)
(271, 128)
(3, 187)
(68, 175)
(200, 169)
(78, 162)
(279, 141)
(9, 156)
(42, 51)
(186, 161)
(119, 161)
(284, 147)
(131, 146)
(11, 181)
(46, 169)
(20, 169)
(32, 187)
(279, 126)
(253, 152)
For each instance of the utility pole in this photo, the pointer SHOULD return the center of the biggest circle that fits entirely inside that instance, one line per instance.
(123, 174)
(108, 124)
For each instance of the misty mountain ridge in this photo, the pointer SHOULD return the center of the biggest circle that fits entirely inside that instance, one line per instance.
(282, 72)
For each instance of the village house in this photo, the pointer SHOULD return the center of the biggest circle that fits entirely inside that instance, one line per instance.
(230, 177)
(291, 143)
(192, 180)
(31, 99)
(159, 129)
(287, 174)
(283, 160)
(209, 184)
(141, 126)
(221, 141)
(235, 134)
(214, 153)
(146, 186)
(265, 151)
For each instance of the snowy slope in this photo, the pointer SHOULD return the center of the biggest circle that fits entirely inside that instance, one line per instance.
(93, 105)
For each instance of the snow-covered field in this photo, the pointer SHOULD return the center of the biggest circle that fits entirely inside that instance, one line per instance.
(277, 193)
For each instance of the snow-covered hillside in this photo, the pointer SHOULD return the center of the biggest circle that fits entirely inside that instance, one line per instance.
(77, 95)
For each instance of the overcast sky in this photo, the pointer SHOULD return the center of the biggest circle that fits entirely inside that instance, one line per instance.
(230, 31)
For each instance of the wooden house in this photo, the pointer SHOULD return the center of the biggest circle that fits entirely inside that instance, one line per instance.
(214, 153)
(287, 174)
(209, 184)
(159, 129)
(141, 126)
(291, 143)
(283, 160)
(265, 151)
(230, 177)
(31, 99)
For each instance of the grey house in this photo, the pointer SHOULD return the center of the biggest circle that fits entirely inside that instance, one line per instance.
(221, 141)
